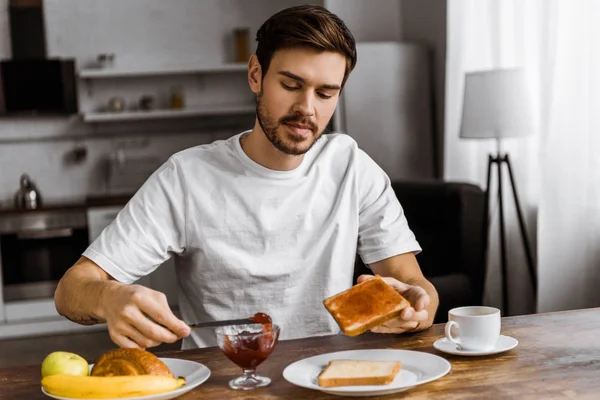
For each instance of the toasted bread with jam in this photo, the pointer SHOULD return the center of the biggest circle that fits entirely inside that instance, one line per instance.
(365, 305)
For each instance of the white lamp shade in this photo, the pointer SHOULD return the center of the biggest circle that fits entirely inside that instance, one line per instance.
(496, 105)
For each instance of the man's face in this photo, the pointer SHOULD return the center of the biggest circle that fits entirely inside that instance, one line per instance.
(298, 96)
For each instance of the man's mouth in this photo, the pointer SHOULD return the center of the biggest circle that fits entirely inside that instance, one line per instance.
(300, 126)
(299, 129)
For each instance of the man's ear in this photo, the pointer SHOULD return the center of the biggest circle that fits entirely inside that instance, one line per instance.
(254, 74)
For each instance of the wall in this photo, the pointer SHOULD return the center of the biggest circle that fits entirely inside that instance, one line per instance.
(59, 179)
(140, 33)
(424, 21)
(370, 20)
(153, 32)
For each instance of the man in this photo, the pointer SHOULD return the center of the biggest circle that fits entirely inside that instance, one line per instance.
(269, 220)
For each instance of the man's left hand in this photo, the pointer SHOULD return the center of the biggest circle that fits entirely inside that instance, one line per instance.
(411, 316)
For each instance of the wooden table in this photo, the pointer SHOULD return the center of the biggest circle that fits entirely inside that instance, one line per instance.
(558, 357)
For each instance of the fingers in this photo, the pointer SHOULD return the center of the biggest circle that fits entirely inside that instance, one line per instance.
(133, 325)
(149, 331)
(122, 340)
(401, 327)
(158, 309)
(415, 294)
(418, 298)
(398, 286)
(142, 340)
(409, 314)
(409, 320)
(363, 278)
(394, 283)
(423, 301)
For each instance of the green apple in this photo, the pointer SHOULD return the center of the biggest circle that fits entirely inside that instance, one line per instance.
(62, 362)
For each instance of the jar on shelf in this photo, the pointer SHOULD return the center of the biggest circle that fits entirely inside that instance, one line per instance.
(177, 98)
(241, 43)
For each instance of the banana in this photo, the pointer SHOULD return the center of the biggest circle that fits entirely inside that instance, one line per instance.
(101, 387)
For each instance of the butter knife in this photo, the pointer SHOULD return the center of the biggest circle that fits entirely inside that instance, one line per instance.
(208, 324)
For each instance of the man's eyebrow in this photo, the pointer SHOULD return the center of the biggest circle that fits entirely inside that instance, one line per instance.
(302, 80)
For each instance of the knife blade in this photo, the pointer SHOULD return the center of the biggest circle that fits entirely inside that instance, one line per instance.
(207, 324)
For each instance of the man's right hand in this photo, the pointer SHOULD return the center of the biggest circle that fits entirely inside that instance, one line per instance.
(139, 317)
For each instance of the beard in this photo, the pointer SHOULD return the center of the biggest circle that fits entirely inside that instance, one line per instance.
(288, 144)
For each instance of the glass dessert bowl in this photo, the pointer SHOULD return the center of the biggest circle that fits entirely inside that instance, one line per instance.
(248, 346)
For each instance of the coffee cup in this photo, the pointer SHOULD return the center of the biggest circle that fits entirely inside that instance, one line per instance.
(477, 328)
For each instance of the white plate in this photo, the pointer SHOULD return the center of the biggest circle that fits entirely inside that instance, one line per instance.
(195, 374)
(417, 368)
(503, 344)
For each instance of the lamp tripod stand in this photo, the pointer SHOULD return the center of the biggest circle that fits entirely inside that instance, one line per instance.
(500, 159)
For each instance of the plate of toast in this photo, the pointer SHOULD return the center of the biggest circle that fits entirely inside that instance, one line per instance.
(366, 372)
(370, 372)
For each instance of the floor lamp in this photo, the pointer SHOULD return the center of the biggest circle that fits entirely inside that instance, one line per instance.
(497, 106)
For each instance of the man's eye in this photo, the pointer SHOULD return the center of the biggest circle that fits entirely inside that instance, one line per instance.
(325, 96)
(287, 87)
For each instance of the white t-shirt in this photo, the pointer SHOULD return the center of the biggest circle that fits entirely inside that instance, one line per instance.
(248, 239)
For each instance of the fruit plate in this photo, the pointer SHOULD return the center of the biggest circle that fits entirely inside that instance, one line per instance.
(194, 373)
(417, 368)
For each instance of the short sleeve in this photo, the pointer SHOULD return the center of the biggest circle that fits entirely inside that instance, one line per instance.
(383, 229)
(149, 229)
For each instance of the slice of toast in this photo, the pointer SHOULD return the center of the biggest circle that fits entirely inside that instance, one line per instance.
(365, 306)
(358, 372)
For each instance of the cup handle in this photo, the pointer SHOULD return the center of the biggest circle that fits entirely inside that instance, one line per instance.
(448, 331)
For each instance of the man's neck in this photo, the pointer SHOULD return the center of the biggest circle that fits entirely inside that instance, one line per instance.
(259, 148)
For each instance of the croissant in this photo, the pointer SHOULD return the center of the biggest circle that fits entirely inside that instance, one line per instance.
(119, 362)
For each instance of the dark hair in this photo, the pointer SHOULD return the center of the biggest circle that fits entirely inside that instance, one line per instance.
(310, 26)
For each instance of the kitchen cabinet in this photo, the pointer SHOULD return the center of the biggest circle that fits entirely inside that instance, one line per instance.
(163, 279)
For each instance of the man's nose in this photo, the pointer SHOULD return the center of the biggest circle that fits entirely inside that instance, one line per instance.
(305, 104)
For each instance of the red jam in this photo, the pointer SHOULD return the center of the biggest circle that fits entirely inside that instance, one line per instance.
(248, 349)
(261, 318)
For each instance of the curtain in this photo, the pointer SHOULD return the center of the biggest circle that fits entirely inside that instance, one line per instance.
(557, 169)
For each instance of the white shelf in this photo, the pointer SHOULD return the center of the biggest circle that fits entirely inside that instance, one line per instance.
(166, 114)
(110, 72)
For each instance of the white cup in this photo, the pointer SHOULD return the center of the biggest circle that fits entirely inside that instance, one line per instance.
(478, 327)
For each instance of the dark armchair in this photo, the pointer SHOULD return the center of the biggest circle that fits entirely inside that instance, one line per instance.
(448, 220)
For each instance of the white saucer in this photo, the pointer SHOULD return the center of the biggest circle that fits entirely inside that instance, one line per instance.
(503, 344)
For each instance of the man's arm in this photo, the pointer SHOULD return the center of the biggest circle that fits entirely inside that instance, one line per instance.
(79, 292)
(414, 286)
(145, 233)
(136, 316)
